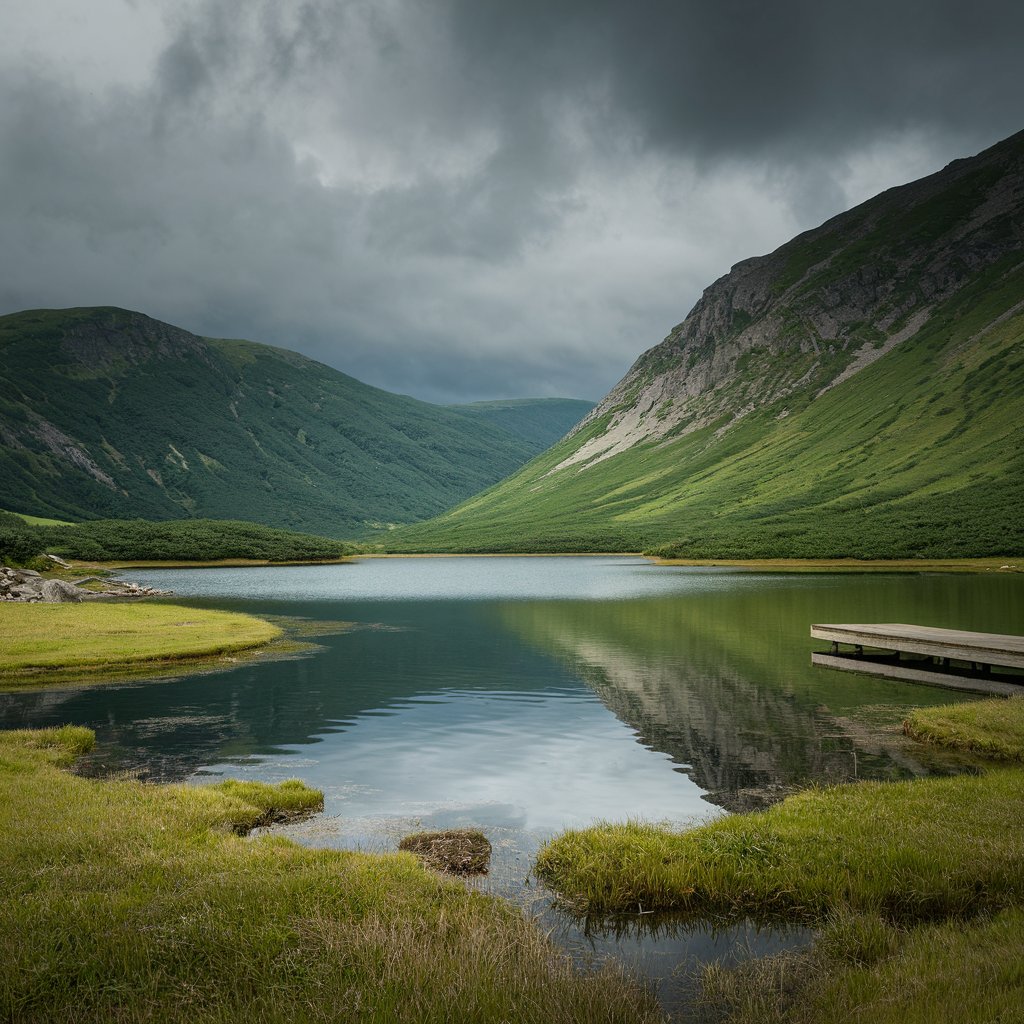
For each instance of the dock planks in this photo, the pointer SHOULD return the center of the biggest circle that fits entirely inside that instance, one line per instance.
(965, 658)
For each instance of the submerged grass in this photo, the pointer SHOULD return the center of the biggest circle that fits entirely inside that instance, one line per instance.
(38, 639)
(992, 728)
(864, 969)
(131, 902)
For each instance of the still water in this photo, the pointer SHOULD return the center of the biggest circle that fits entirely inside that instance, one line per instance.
(529, 695)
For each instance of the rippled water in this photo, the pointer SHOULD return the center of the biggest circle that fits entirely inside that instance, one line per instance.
(529, 695)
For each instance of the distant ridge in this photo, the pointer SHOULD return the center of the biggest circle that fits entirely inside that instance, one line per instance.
(106, 412)
(856, 392)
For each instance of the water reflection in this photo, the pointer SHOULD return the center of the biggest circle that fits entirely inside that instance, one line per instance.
(720, 680)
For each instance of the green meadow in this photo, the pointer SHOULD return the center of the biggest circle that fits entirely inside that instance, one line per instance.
(134, 902)
(47, 642)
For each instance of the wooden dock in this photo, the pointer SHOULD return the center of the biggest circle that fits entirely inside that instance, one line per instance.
(954, 658)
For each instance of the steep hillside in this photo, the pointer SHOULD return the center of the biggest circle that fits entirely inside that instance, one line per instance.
(856, 392)
(109, 413)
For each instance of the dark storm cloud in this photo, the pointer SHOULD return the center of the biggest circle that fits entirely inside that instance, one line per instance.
(735, 78)
(459, 198)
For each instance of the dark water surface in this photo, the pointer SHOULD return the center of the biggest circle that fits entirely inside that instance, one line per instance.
(529, 695)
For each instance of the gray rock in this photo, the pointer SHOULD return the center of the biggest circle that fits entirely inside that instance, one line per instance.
(59, 592)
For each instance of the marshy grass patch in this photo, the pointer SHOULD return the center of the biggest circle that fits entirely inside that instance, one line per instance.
(130, 901)
(992, 728)
(43, 641)
(917, 850)
(457, 851)
(917, 887)
(867, 969)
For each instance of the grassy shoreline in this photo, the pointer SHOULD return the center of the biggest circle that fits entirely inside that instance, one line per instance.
(798, 565)
(917, 888)
(772, 565)
(43, 643)
(220, 563)
(921, 849)
(128, 901)
(776, 565)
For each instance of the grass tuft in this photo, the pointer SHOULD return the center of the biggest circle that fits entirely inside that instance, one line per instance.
(914, 850)
(61, 744)
(992, 728)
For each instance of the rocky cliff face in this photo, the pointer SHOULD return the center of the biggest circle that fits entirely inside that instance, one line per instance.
(781, 330)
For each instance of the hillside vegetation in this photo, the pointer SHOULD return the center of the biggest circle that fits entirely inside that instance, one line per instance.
(191, 540)
(195, 540)
(856, 393)
(108, 413)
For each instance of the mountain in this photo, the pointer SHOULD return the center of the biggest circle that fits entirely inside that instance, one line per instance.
(108, 413)
(540, 421)
(857, 392)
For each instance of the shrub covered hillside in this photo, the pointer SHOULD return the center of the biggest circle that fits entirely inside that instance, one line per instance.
(19, 542)
(200, 540)
(859, 392)
(105, 412)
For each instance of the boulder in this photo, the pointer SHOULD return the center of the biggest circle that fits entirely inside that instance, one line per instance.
(59, 592)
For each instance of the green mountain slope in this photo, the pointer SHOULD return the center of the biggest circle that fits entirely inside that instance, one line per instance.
(109, 413)
(858, 392)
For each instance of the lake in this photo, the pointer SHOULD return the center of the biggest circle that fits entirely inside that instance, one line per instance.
(529, 695)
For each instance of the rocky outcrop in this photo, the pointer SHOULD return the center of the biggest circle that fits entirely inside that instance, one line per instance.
(60, 592)
(31, 586)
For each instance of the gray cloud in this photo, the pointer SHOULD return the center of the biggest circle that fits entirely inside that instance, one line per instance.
(462, 199)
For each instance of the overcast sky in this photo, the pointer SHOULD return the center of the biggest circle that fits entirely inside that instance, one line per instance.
(463, 199)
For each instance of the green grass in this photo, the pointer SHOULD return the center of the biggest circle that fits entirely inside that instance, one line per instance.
(914, 850)
(855, 565)
(38, 520)
(131, 902)
(866, 971)
(992, 728)
(39, 640)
